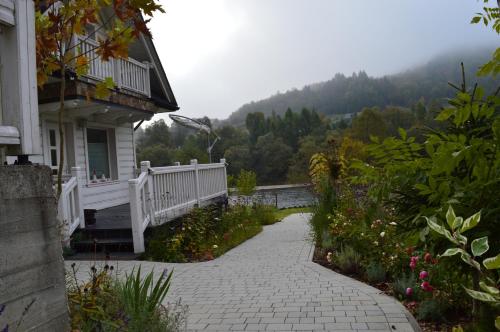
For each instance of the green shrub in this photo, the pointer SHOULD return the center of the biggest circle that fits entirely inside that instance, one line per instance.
(348, 260)
(327, 201)
(246, 183)
(93, 305)
(107, 303)
(402, 283)
(206, 233)
(264, 214)
(375, 272)
(431, 310)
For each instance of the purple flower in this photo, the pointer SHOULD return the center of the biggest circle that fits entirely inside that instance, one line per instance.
(164, 274)
(6, 328)
(2, 308)
(409, 291)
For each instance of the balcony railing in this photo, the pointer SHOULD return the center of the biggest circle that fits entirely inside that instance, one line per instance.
(127, 74)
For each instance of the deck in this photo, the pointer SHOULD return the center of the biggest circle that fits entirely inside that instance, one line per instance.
(116, 217)
(157, 196)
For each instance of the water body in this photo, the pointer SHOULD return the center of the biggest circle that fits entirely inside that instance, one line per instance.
(283, 196)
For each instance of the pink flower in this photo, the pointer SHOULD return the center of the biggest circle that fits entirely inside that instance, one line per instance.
(423, 275)
(413, 262)
(427, 257)
(413, 265)
(426, 287)
(409, 291)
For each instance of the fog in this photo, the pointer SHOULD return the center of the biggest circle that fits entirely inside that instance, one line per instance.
(220, 54)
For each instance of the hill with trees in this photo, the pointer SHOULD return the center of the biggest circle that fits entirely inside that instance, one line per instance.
(350, 94)
(276, 137)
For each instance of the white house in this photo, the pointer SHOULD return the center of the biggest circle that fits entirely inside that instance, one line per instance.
(100, 163)
(19, 122)
(100, 132)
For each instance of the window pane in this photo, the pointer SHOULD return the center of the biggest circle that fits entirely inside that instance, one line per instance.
(52, 137)
(53, 157)
(97, 142)
(97, 136)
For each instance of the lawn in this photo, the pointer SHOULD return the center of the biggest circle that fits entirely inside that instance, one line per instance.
(282, 214)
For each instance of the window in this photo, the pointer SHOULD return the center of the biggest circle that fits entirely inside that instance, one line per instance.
(53, 147)
(101, 151)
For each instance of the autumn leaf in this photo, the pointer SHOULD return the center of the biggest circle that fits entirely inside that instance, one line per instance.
(101, 90)
(82, 65)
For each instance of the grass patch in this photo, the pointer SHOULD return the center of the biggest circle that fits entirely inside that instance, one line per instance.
(235, 237)
(282, 214)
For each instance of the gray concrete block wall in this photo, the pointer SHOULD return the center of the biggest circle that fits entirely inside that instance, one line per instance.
(31, 263)
(282, 196)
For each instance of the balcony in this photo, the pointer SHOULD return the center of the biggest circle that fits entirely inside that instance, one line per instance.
(128, 74)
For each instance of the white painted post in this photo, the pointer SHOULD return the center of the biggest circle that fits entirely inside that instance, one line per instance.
(117, 71)
(147, 79)
(177, 163)
(148, 188)
(145, 165)
(77, 172)
(196, 180)
(62, 215)
(136, 216)
(223, 162)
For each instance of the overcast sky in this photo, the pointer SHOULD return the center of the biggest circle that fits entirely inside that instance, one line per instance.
(221, 54)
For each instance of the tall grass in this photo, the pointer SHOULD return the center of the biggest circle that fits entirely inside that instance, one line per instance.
(142, 300)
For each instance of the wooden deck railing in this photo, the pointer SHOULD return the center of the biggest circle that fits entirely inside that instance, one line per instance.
(161, 194)
(70, 204)
(127, 74)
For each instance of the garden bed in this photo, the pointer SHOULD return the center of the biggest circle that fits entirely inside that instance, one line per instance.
(207, 233)
(386, 286)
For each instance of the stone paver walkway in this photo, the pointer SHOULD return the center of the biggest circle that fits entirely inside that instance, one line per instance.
(269, 283)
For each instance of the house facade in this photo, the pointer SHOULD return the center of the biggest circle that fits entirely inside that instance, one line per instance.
(100, 132)
(19, 121)
(100, 166)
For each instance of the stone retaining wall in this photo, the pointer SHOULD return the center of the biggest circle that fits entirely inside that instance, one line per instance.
(31, 264)
(283, 196)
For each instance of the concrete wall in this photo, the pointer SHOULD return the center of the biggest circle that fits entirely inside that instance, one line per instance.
(282, 196)
(31, 264)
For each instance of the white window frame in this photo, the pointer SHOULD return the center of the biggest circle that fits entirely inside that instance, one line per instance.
(47, 127)
(110, 180)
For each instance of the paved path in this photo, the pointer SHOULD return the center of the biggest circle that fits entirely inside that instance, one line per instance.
(270, 283)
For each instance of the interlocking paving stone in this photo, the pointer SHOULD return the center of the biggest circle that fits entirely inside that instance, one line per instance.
(269, 283)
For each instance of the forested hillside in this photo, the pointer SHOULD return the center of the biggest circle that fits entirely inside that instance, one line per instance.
(276, 137)
(349, 94)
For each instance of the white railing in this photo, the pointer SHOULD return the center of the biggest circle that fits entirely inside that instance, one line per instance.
(70, 204)
(161, 194)
(127, 74)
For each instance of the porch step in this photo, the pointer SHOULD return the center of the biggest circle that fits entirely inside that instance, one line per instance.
(90, 240)
(103, 245)
(106, 241)
(100, 256)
